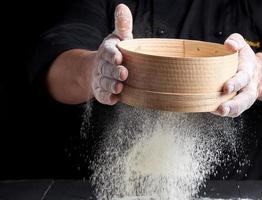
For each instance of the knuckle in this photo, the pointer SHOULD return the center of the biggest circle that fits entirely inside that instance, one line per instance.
(235, 108)
(103, 83)
(112, 86)
(107, 85)
(99, 95)
(102, 96)
(116, 72)
(99, 80)
(238, 84)
(111, 52)
(114, 57)
(107, 70)
(113, 72)
(242, 79)
(100, 67)
(223, 111)
(111, 43)
(101, 53)
(106, 97)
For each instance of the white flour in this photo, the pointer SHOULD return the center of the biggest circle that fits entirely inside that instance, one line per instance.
(164, 155)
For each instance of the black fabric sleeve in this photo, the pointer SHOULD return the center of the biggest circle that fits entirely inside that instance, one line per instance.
(84, 26)
(256, 12)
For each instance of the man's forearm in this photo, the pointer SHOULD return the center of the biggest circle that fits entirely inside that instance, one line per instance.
(69, 77)
(259, 56)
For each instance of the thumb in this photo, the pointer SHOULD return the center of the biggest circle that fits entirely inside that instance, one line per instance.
(236, 42)
(123, 22)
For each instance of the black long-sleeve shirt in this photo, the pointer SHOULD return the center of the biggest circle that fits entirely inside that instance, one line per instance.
(88, 22)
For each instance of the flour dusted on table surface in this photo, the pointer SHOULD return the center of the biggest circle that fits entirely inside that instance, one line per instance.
(160, 154)
(155, 198)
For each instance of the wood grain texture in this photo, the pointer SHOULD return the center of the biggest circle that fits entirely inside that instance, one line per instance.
(176, 75)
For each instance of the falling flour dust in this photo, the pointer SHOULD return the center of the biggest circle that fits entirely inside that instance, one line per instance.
(161, 155)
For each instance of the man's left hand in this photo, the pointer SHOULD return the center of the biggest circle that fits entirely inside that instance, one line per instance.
(247, 82)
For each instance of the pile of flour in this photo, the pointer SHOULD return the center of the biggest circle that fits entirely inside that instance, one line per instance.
(162, 155)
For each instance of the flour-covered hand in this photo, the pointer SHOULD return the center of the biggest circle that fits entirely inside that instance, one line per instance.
(108, 74)
(246, 82)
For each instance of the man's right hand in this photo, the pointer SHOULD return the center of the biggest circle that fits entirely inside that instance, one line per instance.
(108, 72)
(77, 75)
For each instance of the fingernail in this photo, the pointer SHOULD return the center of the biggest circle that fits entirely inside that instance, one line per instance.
(230, 89)
(226, 110)
(233, 43)
(119, 12)
(122, 75)
(113, 99)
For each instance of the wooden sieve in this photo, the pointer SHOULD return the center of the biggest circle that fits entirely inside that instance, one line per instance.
(176, 75)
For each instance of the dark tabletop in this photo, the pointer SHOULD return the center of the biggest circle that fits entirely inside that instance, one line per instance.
(81, 190)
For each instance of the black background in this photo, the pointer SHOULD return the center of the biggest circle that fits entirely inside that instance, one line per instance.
(33, 128)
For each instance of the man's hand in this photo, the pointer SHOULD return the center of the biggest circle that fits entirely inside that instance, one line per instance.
(108, 73)
(77, 75)
(247, 81)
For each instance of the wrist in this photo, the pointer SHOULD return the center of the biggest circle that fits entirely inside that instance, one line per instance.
(87, 64)
(68, 79)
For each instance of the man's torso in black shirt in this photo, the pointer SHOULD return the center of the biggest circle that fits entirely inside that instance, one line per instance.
(203, 20)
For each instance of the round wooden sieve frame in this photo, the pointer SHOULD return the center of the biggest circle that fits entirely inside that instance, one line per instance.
(176, 75)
